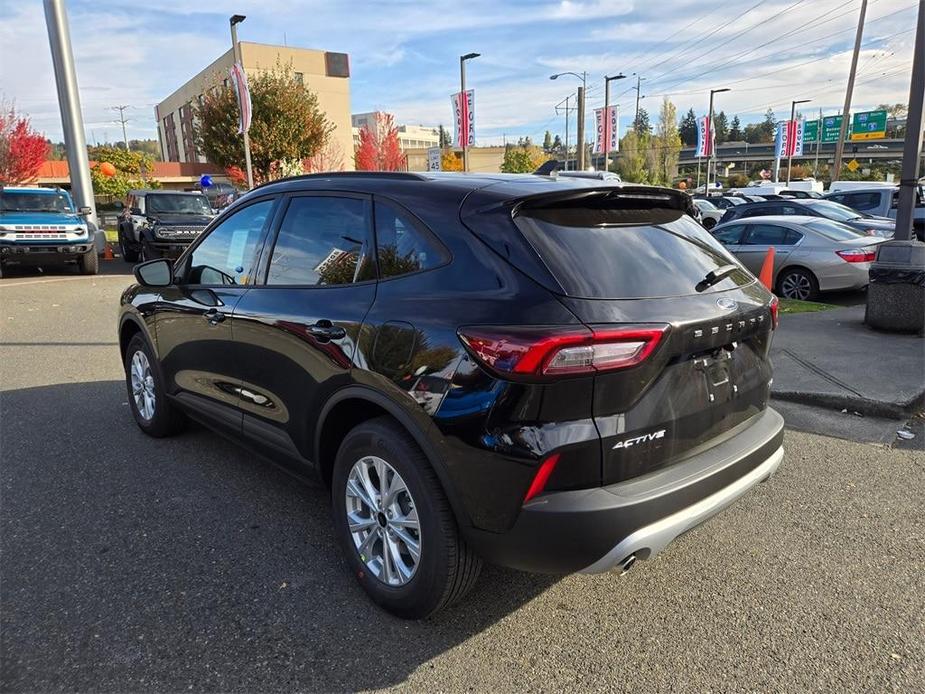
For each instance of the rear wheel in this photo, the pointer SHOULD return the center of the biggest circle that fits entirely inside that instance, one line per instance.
(89, 262)
(146, 394)
(129, 255)
(797, 283)
(395, 525)
(709, 223)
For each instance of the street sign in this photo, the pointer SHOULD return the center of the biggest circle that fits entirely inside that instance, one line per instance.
(869, 125)
(810, 130)
(433, 158)
(852, 165)
(831, 125)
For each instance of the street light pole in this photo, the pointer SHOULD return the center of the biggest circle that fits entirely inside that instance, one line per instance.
(606, 134)
(712, 135)
(793, 114)
(464, 104)
(913, 146)
(234, 20)
(582, 90)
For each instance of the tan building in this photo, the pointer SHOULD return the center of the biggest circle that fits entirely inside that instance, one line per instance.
(409, 136)
(481, 159)
(326, 74)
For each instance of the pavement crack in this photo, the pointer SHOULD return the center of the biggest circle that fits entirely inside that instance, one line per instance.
(824, 374)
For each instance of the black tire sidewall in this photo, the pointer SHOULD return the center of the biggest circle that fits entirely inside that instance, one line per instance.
(161, 423)
(424, 592)
(89, 263)
(813, 283)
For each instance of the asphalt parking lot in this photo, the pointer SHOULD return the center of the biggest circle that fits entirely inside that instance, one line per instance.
(132, 564)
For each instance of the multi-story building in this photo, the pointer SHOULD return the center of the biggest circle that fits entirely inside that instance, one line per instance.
(326, 74)
(409, 136)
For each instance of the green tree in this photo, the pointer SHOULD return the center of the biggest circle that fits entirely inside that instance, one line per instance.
(632, 161)
(688, 128)
(665, 146)
(721, 126)
(557, 144)
(444, 138)
(133, 170)
(287, 123)
(768, 126)
(522, 159)
(641, 123)
(735, 130)
(547, 142)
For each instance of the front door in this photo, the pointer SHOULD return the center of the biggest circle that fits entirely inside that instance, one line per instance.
(759, 238)
(296, 330)
(193, 324)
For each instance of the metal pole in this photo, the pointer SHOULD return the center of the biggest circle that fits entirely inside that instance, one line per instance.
(62, 58)
(236, 48)
(605, 143)
(793, 112)
(121, 110)
(710, 131)
(914, 124)
(846, 111)
(566, 132)
(462, 104)
(636, 117)
(818, 140)
(581, 127)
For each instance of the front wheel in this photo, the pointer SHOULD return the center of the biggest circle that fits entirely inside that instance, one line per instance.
(395, 524)
(89, 262)
(796, 283)
(147, 396)
(709, 223)
(129, 254)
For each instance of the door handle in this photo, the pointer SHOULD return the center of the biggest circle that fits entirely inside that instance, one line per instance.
(214, 316)
(326, 330)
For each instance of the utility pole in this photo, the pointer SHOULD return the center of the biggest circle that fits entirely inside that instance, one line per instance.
(818, 140)
(846, 111)
(234, 20)
(638, 85)
(121, 110)
(62, 58)
(914, 125)
(791, 145)
(464, 105)
(567, 111)
(581, 112)
(606, 134)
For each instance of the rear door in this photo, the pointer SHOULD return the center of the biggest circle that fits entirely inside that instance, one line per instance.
(759, 237)
(296, 331)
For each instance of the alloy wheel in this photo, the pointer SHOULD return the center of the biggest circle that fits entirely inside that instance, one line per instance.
(143, 385)
(382, 520)
(796, 286)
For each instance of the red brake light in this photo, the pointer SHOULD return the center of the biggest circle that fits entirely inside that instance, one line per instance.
(775, 312)
(552, 351)
(542, 476)
(858, 255)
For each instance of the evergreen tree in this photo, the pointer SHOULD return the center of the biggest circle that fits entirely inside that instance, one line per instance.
(721, 127)
(547, 142)
(557, 144)
(769, 126)
(641, 124)
(444, 138)
(688, 128)
(735, 130)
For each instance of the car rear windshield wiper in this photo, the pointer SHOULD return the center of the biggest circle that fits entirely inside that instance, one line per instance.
(714, 276)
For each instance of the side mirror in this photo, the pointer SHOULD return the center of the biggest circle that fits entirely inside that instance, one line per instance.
(84, 211)
(119, 205)
(154, 273)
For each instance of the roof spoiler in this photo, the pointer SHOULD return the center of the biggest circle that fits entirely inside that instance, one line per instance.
(547, 168)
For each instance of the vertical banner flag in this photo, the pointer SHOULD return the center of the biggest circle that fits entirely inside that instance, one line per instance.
(797, 139)
(243, 94)
(433, 158)
(464, 112)
(789, 140)
(704, 137)
(780, 140)
(607, 130)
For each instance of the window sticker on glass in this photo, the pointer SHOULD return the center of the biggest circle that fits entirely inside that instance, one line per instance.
(236, 250)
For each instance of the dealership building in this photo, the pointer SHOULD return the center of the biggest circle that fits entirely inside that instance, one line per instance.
(325, 73)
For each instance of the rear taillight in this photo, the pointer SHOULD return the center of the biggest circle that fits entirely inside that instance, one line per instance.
(858, 255)
(775, 312)
(558, 351)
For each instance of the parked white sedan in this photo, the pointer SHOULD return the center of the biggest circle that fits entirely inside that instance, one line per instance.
(811, 254)
(710, 214)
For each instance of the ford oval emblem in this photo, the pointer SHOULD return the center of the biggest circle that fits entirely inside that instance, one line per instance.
(727, 304)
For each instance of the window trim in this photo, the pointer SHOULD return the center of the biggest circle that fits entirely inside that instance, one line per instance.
(420, 226)
(268, 246)
(178, 266)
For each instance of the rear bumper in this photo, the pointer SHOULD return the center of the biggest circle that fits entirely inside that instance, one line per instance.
(595, 530)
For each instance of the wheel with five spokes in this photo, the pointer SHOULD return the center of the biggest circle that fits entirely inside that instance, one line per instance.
(146, 395)
(395, 523)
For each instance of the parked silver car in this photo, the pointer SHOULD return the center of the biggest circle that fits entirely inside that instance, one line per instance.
(812, 254)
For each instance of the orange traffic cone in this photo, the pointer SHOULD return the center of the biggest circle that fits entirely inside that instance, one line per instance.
(107, 252)
(767, 270)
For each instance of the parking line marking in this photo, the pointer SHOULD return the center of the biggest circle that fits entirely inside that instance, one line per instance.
(61, 279)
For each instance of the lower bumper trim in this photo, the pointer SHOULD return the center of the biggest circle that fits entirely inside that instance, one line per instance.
(651, 539)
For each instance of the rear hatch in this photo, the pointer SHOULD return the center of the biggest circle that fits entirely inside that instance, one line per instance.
(634, 257)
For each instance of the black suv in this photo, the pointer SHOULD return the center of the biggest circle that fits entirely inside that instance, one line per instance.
(161, 223)
(812, 207)
(552, 375)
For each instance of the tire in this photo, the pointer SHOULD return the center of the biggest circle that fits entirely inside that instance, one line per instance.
(148, 253)
(709, 223)
(129, 255)
(445, 569)
(165, 419)
(797, 283)
(89, 263)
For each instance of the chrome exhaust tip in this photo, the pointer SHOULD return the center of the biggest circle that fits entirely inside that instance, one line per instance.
(627, 563)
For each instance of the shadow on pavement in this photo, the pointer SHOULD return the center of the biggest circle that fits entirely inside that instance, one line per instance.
(131, 563)
(107, 267)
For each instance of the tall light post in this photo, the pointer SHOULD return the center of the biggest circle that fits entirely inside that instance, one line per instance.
(234, 20)
(606, 134)
(712, 136)
(793, 113)
(463, 102)
(582, 90)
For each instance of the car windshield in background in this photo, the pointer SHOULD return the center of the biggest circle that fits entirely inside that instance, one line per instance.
(177, 204)
(35, 202)
(833, 210)
(834, 230)
(705, 205)
(626, 254)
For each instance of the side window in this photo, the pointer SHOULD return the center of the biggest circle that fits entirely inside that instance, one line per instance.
(404, 245)
(837, 198)
(323, 241)
(793, 237)
(790, 209)
(225, 256)
(730, 235)
(863, 201)
(756, 212)
(766, 235)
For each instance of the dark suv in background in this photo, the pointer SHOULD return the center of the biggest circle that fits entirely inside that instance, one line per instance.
(553, 375)
(161, 223)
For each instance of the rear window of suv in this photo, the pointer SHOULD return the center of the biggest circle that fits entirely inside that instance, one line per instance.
(626, 253)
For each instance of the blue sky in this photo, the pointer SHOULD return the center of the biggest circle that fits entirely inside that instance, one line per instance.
(404, 55)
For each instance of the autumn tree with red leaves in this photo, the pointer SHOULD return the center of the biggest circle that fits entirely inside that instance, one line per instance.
(22, 149)
(379, 149)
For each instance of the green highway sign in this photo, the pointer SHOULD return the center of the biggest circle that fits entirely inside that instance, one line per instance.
(869, 125)
(810, 131)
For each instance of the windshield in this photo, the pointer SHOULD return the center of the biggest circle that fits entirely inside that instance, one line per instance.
(705, 205)
(35, 202)
(833, 210)
(834, 230)
(177, 204)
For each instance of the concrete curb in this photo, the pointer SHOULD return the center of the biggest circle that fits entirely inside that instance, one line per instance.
(868, 408)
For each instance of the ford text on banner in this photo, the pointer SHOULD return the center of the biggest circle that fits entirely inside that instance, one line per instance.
(464, 113)
(611, 126)
(789, 140)
(704, 138)
(243, 94)
(780, 140)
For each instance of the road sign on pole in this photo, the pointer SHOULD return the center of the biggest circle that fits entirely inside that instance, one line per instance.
(868, 125)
